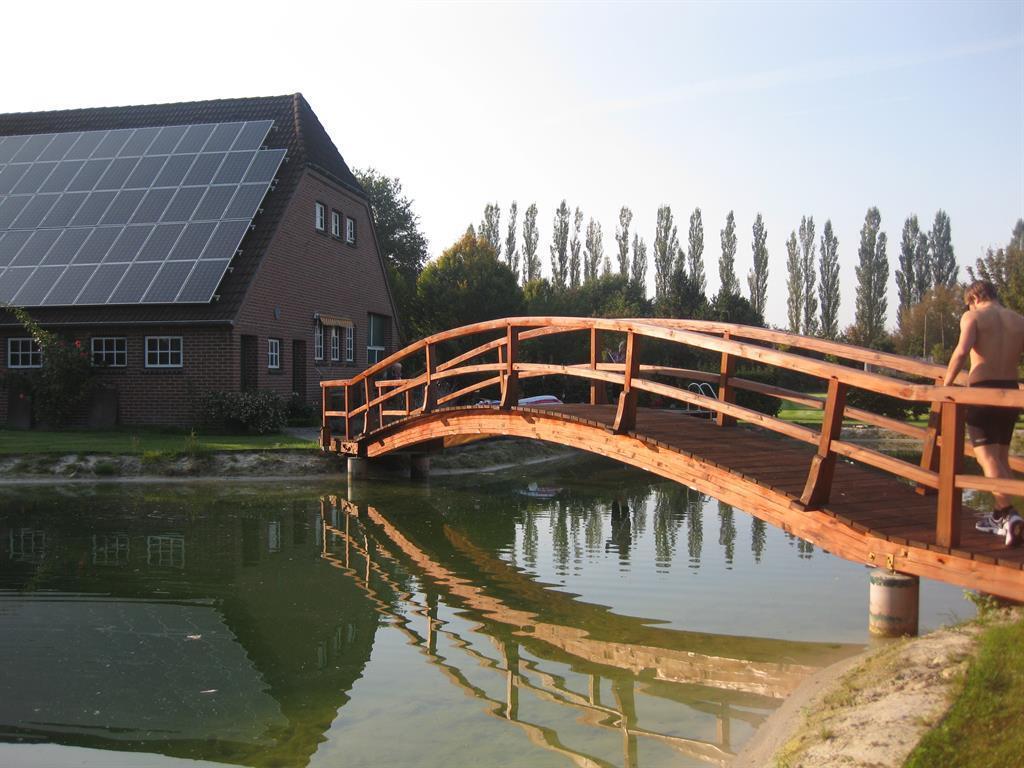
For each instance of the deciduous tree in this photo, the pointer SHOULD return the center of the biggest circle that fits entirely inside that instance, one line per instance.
(622, 238)
(511, 251)
(593, 254)
(638, 268)
(531, 236)
(757, 280)
(695, 251)
(574, 249)
(490, 227)
(666, 245)
(906, 275)
(828, 291)
(560, 246)
(1004, 268)
(940, 246)
(872, 280)
(808, 246)
(727, 263)
(794, 284)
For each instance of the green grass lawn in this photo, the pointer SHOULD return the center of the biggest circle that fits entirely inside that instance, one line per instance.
(138, 441)
(983, 727)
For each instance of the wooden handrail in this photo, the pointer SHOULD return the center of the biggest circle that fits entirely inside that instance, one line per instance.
(940, 469)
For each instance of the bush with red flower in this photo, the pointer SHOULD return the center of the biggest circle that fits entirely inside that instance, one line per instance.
(63, 386)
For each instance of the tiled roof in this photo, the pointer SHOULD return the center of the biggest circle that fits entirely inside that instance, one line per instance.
(296, 129)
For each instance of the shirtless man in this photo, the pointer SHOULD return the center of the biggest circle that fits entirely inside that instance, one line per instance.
(994, 337)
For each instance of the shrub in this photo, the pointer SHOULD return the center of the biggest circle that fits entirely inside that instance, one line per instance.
(259, 412)
(301, 413)
(755, 401)
(883, 405)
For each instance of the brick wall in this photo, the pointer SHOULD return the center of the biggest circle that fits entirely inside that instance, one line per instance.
(306, 272)
(156, 395)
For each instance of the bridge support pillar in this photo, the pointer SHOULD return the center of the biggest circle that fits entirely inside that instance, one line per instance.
(893, 603)
(419, 466)
(358, 468)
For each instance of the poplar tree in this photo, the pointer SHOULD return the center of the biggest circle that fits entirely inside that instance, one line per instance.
(638, 270)
(695, 251)
(666, 245)
(794, 284)
(828, 289)
(560, 246)
(511, 251)
(490, 227)
(727, 264)
(907, 275)
(922, 267)
(872, 276)
(593, 254)
(940, 245)
(531, 236)
(757, 280)
(810, 292)
(574, 249)
(622, 238)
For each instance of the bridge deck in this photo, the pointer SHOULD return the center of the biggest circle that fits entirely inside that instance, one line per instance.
(865, 499)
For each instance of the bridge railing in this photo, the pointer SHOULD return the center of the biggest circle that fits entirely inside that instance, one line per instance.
(371, 400)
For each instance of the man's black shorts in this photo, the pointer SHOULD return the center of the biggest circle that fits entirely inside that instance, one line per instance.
(995, 424)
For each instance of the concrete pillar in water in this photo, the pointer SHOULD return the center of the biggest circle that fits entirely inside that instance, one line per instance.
(419, 466)
(358, 468)
(893, 603)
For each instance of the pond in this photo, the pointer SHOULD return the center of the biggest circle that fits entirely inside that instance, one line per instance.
(577, 612)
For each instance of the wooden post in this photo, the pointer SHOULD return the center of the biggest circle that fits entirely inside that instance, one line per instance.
(429, 387)
(368, 425)
(819, 478)
(325, 429)
(929, 450)
(598, 395)
(348, 428)
(726, 392)
(950, 503)
(510, 378)
(625, 416)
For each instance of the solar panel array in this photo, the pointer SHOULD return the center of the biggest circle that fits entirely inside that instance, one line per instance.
(128, 216)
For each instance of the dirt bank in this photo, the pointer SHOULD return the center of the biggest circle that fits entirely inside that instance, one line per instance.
(869, 711)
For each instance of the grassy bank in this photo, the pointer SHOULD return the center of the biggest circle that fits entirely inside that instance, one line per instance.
(983, 728)
(138, 442)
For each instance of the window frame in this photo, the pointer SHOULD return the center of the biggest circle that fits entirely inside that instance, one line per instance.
(34, 352)
(319, 216)
(273, 354)
(350, 343)
(336, 219)
(119, 341)
(169, 351)
(375, 352)
(335, 344)
(318, 341)
(350, 230)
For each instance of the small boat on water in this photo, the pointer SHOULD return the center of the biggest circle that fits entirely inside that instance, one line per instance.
(535, 491)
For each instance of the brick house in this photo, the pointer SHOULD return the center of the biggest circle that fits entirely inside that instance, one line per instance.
(167, 310)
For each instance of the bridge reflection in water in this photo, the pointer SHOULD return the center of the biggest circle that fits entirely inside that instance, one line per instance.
(250, 626)
(709, 675)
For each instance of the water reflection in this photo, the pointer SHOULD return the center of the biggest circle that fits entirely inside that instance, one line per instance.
(248, 625)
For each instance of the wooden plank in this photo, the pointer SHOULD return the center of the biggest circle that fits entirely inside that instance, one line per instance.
(510, 378)
(625, 416)
(726, 391)
(950, 501)
(598, 393)
(819, 477)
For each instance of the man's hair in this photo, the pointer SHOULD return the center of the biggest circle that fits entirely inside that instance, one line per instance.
(980, 290)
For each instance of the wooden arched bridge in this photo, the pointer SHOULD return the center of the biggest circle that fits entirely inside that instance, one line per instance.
(852, 500)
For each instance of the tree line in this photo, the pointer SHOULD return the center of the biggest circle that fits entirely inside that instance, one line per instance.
(495, 269)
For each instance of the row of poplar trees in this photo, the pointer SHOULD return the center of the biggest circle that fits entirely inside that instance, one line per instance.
(926, 260)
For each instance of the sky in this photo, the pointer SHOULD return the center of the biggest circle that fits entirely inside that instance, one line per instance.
(787, 109)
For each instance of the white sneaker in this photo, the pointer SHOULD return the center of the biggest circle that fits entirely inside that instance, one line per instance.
(1011, 528)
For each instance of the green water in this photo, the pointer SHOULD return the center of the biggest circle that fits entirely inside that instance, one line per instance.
(625, 621)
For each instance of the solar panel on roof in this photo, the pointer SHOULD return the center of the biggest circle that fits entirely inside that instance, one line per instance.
(143, 215)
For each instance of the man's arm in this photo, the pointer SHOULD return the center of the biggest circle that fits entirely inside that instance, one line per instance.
(968, 335)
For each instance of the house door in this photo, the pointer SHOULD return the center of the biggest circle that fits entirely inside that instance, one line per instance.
(248, 364)
(299, 368)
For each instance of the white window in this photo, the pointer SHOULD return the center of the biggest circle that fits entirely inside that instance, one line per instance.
(335, 344)
(166, 551)
(273, 353)
(110, 351)
(318, 341)
(110, 549)
(350, 344)
(375, 339)
(164, 352)
(336, 224)
(350, 230)
(24, 353)
(321, 217)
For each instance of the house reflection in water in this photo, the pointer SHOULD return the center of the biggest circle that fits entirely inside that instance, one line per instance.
(232, 626)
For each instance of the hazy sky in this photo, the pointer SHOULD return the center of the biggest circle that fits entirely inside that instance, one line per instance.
(819, 109)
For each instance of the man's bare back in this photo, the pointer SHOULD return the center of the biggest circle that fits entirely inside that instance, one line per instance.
(999, 341)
